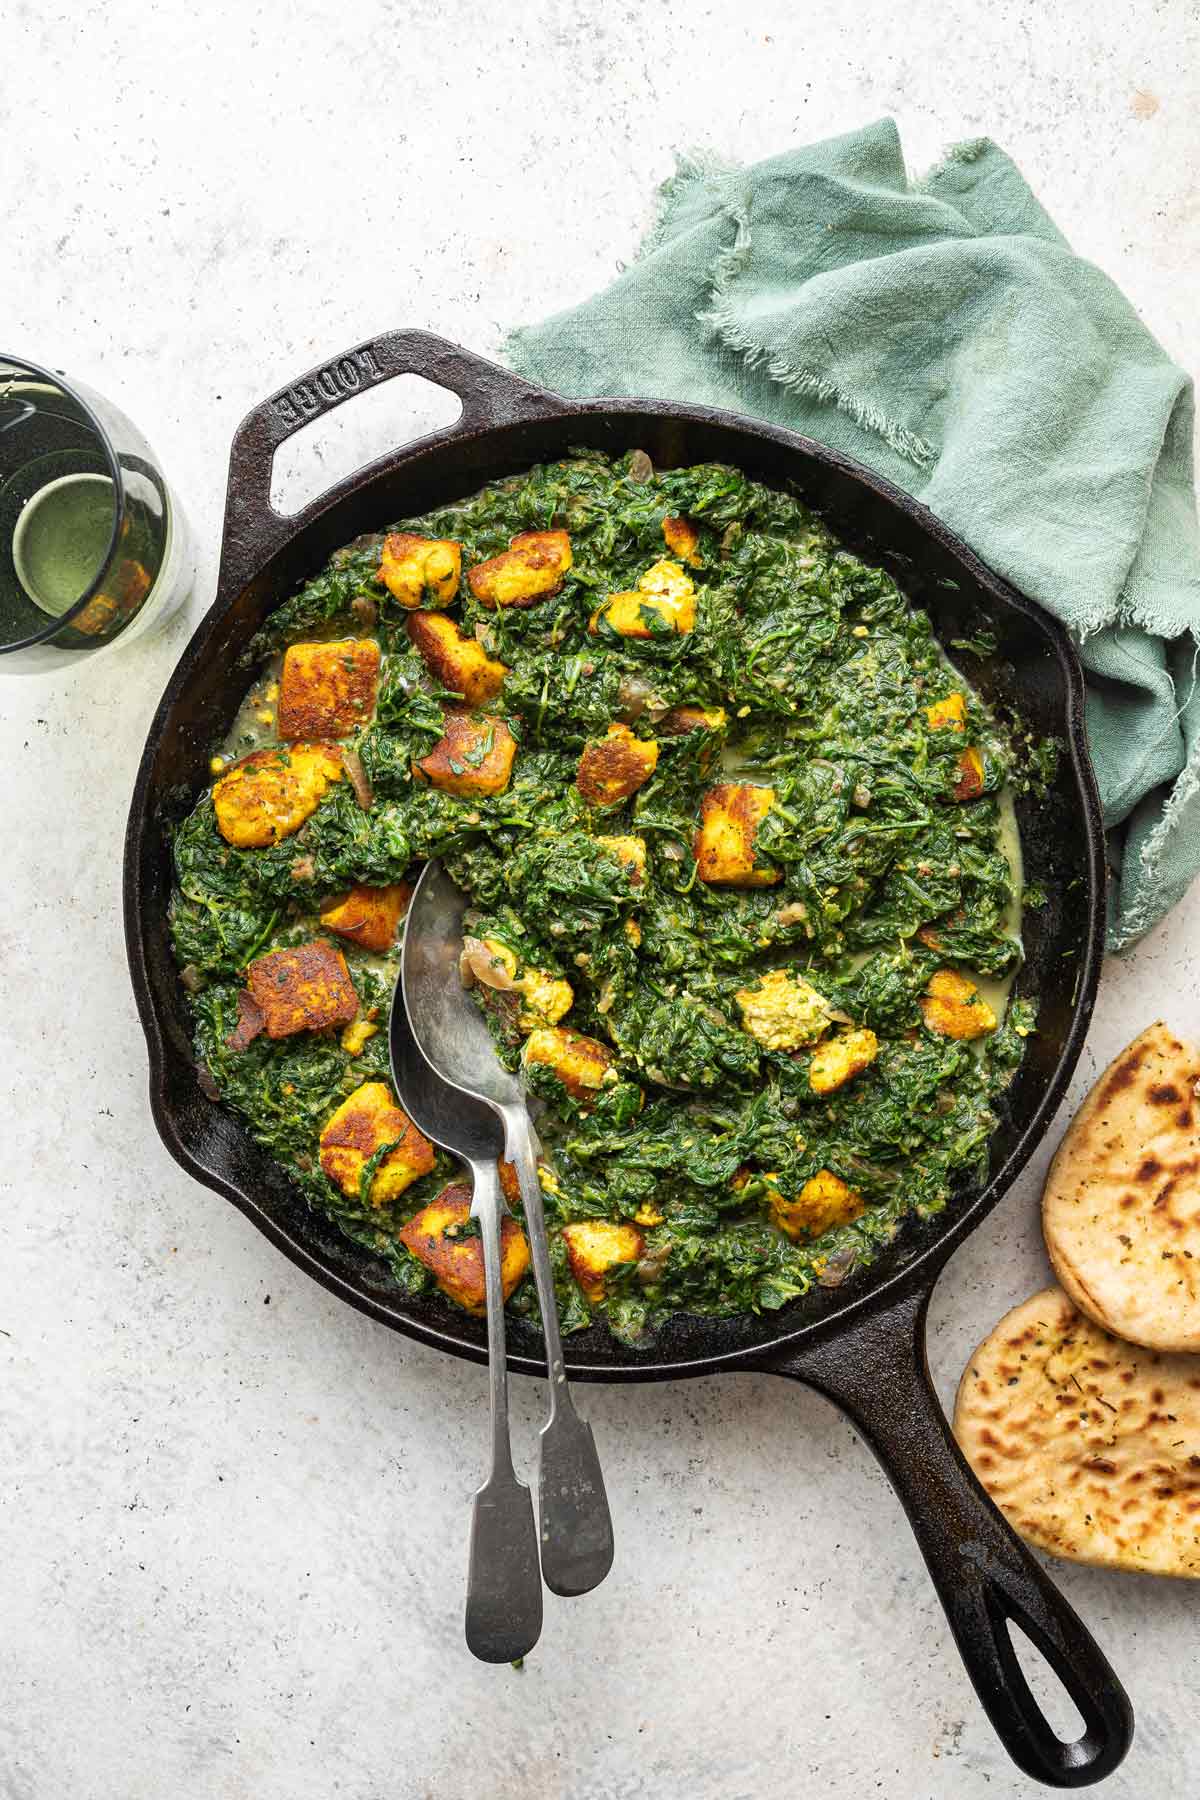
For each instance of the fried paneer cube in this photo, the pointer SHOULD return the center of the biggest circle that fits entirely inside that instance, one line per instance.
(435, 1237)
(596, 1246)
(531, 569)
(359, 1129)
(368, 916)
(953, 1007)
(968, 779)
(545, 998)
(682, 719)
(457, 662)
(666, 590)
(305, 989)
(730, 815)
(615, 767)
(823, 1202)
(269, 795)
(474, 757)
(420, 569)
(630, 852)
(582, 1064)
(327, 690)
(683, 539)
(783, 1011)
(840, 1058)
(950, 712)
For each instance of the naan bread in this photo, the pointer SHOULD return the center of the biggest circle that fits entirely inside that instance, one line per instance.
(1121, 1207)
(1089, 1446)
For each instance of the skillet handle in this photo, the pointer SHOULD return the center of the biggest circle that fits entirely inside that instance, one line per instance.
(490, 396)
(877, 1373)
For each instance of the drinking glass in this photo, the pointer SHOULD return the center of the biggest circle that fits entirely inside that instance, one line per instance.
(94, 549)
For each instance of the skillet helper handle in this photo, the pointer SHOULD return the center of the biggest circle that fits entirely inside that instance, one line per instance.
(877, 1373)
(490, 396)
(504, 1583)
(576, 1524)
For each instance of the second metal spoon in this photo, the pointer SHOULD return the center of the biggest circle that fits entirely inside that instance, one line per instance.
(504, 1583)
(576, 1526)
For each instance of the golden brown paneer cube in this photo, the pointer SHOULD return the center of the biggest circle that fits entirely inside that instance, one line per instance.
(531, 569)
(783, 1010)
(840, 1058)
(474, 757)
(327, 690)
(305, 989)
(435, 1237)
(270, 794)
(968, 782)
(730, 815)
(582, 1064)
(683, 539)
(545, 998)
(665, 589)
(953, 1007)
(630, 852)
(823, 1202)
(359, 1129)
(950, 712)
(457, 662)
(420, 569)
(594, 1247)
(615, 767)
(368, 916)
(682, 719)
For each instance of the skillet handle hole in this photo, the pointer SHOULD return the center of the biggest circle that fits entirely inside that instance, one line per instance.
(335, 444)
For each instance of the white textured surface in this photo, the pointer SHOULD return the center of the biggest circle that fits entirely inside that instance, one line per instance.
(232, 1532)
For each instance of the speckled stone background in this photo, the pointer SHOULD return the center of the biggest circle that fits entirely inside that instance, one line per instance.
(233, 1512)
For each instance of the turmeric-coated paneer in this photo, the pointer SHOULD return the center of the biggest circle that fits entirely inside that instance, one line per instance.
(615, 767)
(327, 690)
(368, 916)
(823, 1202)
(663, 601)
(437, 1237)
(630, 852)
(420, 570)
(270, 794)
(582, 1064)
(948, 713)
(457, 662)
(305, 989)
(839, 1059)
(545, 998)
(531, 569)
(474, 757)
(953, 1007)
(969, 780)
(682, 719)
(359, 1130)
(596, 1246)
(683, 539)
(783, 1011)
(730, 815)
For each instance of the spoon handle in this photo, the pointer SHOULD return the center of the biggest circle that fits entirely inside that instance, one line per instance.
(576, 1525)
(504, 1587)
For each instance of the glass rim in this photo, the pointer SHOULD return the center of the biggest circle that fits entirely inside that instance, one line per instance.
(53, 626)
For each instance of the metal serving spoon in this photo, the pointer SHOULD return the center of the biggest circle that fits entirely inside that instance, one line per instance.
(504, 1584)
(576, 1527)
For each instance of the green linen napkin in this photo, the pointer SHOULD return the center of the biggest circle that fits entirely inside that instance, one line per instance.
(942, 332)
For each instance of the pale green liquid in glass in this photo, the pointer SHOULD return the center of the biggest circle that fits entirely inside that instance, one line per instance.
(62, 538)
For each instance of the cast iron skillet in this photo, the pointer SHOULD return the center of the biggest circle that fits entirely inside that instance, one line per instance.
(862, 1344)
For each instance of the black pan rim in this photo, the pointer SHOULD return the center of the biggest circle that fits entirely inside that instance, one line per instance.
(927, 1263)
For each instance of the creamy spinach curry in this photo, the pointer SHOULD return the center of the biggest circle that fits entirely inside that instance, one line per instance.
(745, 887)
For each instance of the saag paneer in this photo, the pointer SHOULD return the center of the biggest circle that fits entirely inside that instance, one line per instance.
(743, 905)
